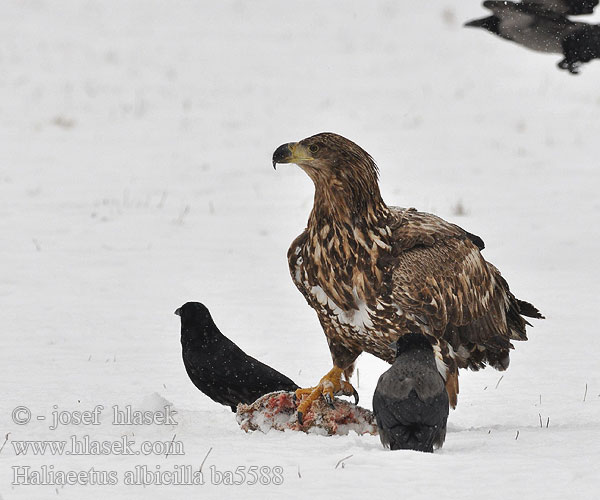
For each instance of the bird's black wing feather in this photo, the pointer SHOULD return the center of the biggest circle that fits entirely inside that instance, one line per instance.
(564, 7)
(229, 376)
(410, 423)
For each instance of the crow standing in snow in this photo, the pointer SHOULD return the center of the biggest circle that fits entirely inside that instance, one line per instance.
(410, 402)
(542, 25)
(218, 367)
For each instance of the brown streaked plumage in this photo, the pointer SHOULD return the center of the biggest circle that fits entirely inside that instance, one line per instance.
(373, 273)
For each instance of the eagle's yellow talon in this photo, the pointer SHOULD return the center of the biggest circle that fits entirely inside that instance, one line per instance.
(329, 400)
(303, 392)
(330, 385)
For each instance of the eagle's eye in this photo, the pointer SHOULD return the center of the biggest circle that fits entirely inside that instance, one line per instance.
(313, 148)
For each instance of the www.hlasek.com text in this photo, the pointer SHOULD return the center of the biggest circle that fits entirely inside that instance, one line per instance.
(85, 445)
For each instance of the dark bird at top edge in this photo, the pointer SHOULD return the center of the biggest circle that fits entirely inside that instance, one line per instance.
(374, 272)
(218, 367)
(565, 7)
(532, 25)
(410, 402)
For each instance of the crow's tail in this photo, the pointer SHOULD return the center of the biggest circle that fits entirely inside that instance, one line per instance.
(416, 437)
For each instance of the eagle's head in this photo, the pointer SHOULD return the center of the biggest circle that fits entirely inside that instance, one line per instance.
(344, 174)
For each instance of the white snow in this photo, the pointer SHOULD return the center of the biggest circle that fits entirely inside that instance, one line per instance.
(135, 174)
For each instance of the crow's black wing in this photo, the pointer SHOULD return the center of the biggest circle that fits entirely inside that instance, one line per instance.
(229, 376)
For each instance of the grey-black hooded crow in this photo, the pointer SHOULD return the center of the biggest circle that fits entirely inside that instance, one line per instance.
(533, 26)
(410, 402)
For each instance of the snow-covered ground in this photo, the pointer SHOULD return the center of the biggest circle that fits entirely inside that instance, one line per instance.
(135, 175)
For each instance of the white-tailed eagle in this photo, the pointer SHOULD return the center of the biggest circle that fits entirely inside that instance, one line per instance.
(373, 272)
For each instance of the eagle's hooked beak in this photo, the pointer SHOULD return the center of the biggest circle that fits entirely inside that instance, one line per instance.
(292, 152)
(284, 154)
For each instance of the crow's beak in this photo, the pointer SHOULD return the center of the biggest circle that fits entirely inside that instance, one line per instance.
(178, 311)
(490, 23)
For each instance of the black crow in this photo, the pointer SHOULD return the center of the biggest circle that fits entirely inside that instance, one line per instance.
(537, 28)
(218, 367)
(411, 402)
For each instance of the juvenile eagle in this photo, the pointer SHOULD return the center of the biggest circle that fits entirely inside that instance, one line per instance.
(374, 273)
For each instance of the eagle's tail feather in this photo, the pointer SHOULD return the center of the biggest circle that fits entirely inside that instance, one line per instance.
(482, 341)
(529, 310)
(515, 310)
(452, 387)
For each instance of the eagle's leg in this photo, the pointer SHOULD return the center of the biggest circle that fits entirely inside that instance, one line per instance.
(329, 386)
